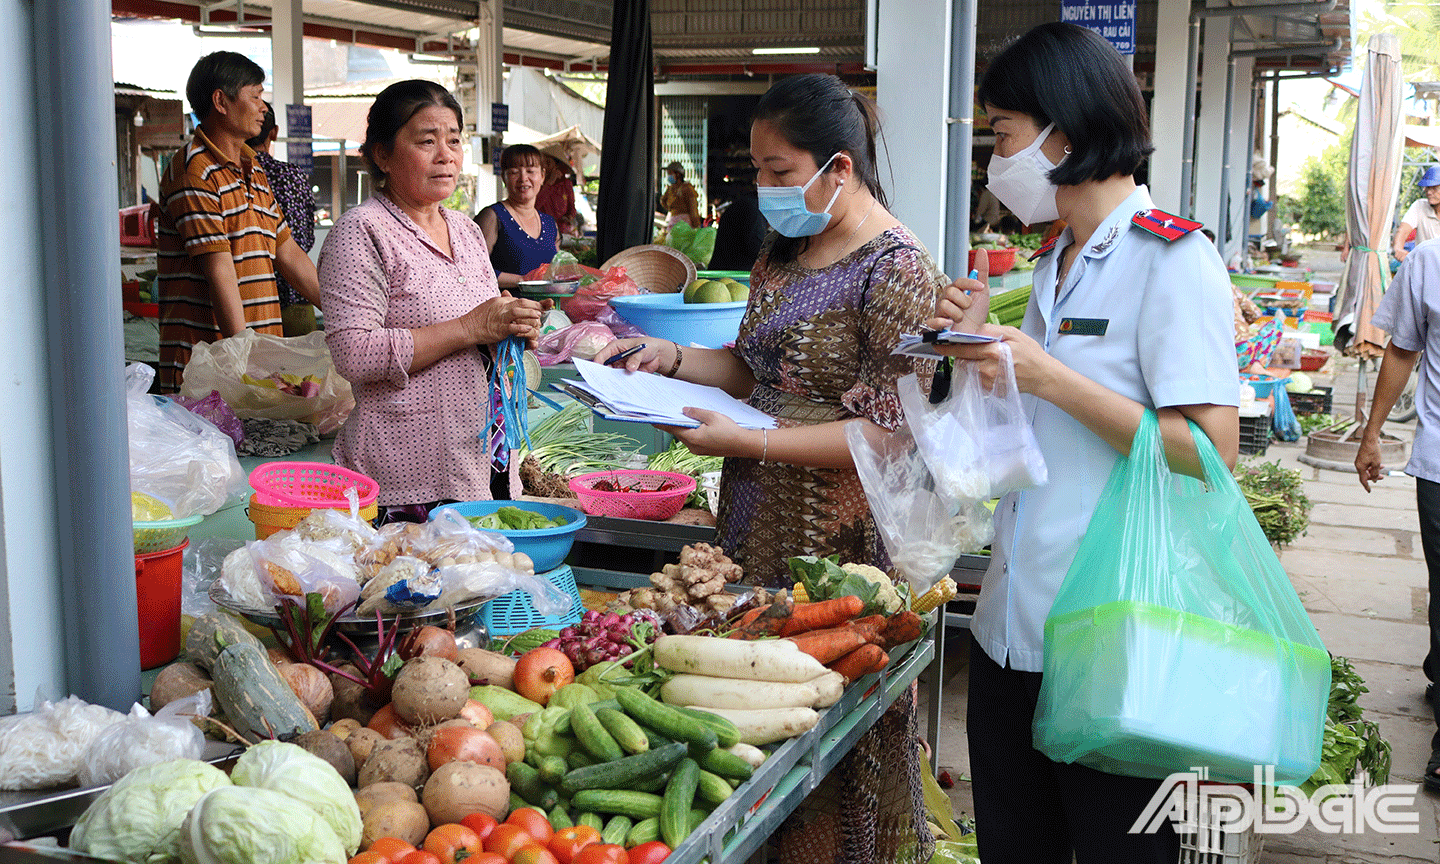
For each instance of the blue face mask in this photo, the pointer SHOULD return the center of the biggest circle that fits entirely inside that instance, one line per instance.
(669, 179)
(785, 209)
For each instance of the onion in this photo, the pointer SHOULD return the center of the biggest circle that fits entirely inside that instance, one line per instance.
(569, 633)
(542, 671)
(465, 744)
(388, 723)
(609, 619)
(476, 714)
(432, 641)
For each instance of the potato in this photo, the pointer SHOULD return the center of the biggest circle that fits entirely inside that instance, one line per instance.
(361, 742)
(510, 739)
(379, 793)
(429, 690)
(325, 745)
(399, 759)
(395, 818)
(351, 701)
(457, 789)
(342, 728)
(488, 667)
(177, 681)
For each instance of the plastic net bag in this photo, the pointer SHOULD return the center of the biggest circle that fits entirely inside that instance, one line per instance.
(273, 377)
(145, 739)
(590, 300)
(924, 530)
(1176, 639)
(581, 340)
(977, 441)
(214, 409)
(176, 456)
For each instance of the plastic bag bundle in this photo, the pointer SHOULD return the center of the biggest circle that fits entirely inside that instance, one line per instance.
(977, 442)
(145, 739)
(287, 566)
(1285, 423)
(177, 456)
(272, 377)
(46, 747)
(924, 530)
(1176, 638)
(590, 300)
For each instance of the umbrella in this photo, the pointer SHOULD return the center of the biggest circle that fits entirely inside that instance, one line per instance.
(568, 145)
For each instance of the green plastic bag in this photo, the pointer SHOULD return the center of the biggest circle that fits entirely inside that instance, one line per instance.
(1176, 639)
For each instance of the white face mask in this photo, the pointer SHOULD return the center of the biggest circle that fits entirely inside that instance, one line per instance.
(1021, 182)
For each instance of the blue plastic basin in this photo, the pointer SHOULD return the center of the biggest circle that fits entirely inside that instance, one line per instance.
(668, 316)
(547, 547)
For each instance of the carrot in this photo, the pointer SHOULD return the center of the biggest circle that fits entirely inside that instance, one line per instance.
(900, 628)
(833, 643)
(768, 623)
(745, 621)
(862, 661)
(822, 614)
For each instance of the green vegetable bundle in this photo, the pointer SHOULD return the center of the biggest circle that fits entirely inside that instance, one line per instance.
(678, 458)
(1008, 309)
(1351, 742)
(564, 444)
(514, 519)
(1277, 497)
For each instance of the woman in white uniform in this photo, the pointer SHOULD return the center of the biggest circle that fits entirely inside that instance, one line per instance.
(1131, 311)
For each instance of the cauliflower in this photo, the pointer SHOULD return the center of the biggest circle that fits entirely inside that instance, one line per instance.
(887, 596)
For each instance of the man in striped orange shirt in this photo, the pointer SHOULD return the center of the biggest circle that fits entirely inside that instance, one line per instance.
(221, 235)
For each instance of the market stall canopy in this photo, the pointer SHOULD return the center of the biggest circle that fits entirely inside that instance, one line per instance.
(1422, 136)
(570, 145)
(1374, 182)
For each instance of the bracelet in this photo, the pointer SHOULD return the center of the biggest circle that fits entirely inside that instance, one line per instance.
(676, 367)
(764, 445)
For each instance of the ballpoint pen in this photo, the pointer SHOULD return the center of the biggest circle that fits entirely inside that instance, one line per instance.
(945, 369)
(612, 360)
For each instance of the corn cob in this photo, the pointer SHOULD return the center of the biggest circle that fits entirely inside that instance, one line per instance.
(939, 593)
(798, 594)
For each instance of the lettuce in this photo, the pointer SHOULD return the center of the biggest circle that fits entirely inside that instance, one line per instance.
(236, 825)
(293, 771)
(138, 819)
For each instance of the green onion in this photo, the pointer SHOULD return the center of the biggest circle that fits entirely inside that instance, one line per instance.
(564, 444)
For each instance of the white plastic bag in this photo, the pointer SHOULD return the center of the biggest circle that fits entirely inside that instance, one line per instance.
(924, 530)
(288, 566)
(45, 747)
(463, 582)
(291, 378)
(175, 455)
(145, 739)
(977, 443)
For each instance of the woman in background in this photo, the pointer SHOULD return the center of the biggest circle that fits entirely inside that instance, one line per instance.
(520, 237)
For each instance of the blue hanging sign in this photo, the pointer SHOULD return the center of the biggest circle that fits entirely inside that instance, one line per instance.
(1114, 21)
(297, 125)
(499, 116)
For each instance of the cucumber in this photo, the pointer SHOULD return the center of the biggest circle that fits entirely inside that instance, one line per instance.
(559, 818)
(712, 788)
(725, 732)
(665, 719)
(552, 769)
(617, 829)
(636, 805)
(625, 771)
(653, 738)
(675, 807)
(654, 783)
(516, 802)
(644, 831)
(723, 762)
(594, 820)
(578, 758)
(593, 736)
(695, 817)
(526, 781)
(626, 732)
(563, 724)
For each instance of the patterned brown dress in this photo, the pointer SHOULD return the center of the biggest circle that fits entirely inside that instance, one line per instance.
(818, 343)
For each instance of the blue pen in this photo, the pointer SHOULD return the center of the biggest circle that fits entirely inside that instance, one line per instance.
(611, 361)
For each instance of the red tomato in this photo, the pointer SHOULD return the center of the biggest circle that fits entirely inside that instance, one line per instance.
(649, 853)
(602, 853)
(420, 856)
(393, 848)
(507, 839)
(486, 858)
(452, 842)
(532, 822)
(568, 841)
(481, 823)
(368, 857)
(533, 854)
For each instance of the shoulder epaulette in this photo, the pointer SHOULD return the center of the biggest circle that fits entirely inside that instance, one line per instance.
(1045, 247)
(1166, 226)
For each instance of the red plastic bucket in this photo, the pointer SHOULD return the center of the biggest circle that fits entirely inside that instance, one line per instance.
(157, 599)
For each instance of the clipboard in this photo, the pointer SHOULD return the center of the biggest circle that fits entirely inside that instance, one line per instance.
(574, 389)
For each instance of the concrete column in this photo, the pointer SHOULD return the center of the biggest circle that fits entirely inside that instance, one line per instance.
(489, 88)
(912, 81)
(1210, 128)
(1241, 148)
(1167, 111)
(287, 60)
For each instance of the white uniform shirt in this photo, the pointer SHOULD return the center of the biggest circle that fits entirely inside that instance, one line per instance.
(1165, 311)
(1421, 216)
(1410, 313)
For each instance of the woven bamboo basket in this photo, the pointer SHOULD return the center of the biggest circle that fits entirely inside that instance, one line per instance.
(658, 269)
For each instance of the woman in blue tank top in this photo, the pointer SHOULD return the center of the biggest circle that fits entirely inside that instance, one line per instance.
(520, 237)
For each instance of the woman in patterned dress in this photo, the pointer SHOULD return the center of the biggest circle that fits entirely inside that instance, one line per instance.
(838, 281)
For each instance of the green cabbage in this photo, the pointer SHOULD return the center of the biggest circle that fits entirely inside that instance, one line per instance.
(138, 818)
(291, 770)
(239, 825)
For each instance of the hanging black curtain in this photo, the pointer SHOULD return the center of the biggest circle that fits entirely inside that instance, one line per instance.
(627, 155)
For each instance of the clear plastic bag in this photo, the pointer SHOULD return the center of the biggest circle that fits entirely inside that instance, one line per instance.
(1176, 638)
(924, 530)
(214, 409)
(145, 739)
(274, 377)
(45, 747)
(203, 563)
(977, 442)
(288, 566)
(487, 579)
(590, 300)
(176, 456)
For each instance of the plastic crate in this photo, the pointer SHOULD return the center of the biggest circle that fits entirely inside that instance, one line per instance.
(1211, 841)
(1317, 401)
(514, 613)
(1254, 435)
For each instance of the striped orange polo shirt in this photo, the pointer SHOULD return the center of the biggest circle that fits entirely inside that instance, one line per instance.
(211, 204)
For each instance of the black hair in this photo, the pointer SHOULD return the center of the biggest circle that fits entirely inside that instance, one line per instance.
(1070, 76)
(265, 129)
(520, 154)
(393, 108)
(225, 71)
(819, 114)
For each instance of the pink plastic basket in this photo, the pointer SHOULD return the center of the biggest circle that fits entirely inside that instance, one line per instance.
(306, 484)
(640, 500)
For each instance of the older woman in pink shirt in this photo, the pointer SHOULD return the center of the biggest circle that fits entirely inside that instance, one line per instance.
(412, 312)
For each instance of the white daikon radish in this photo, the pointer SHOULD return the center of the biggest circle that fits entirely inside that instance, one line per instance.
(706, 691)
(767, 725)
(768, 660)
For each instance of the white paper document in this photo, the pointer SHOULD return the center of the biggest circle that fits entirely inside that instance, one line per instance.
(645, 397)
(923, 344)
